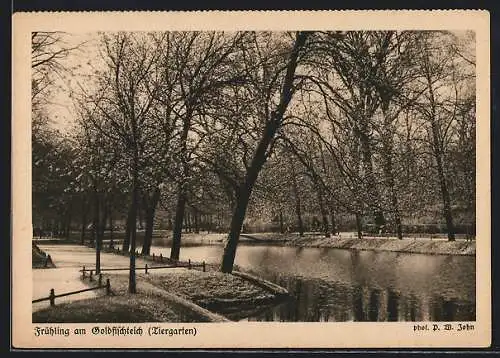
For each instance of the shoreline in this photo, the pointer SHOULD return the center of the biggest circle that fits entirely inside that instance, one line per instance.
(184, 293)
(410, 245)
(203, 295)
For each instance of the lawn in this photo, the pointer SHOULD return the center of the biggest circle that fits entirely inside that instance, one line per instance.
(173, 295)
(116, 309)
(149, 304)
(225, 294)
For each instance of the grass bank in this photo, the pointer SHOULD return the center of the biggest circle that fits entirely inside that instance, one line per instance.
(414, 246)
(149, 304)
(233, 296)
(431, 244)
(173, 295)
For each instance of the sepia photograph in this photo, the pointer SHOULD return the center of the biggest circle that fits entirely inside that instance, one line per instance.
(253, 176)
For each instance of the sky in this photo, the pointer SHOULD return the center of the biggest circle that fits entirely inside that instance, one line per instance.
(80, 63)
(83, 62)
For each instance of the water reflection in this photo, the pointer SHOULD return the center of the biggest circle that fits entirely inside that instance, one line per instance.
(343, 285)
(313, 301)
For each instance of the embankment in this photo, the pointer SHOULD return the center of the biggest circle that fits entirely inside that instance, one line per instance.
(40, 259)
(413, 246)
(273, 288)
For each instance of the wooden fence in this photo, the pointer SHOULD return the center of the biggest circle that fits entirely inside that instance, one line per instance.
(52, 296)
(151, 257)
(146, 268)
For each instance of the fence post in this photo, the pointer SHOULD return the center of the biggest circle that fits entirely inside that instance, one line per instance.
(189, 264)
(203, 266)
(90, 277)
(146, 268)
(83, 272)
(100, 279)
(108, 287)
(52, 297)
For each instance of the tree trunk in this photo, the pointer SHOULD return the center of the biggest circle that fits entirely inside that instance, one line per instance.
(196, 222)
(445, 194)
(84, 222)
(170, 225)
(103, 219)
(179, 218)
(148, 234)
(234, 232)
(188, 221)
(394, 198)
(140, 215)
(387, 145)
(333, 222)
(95, 218)
(259, 158)
(42, 228)
(438, 156)
(128, 229)
(298, 210)
(399, 226)
(324, 215)
(96, 232)
(67, 227)
(369, 178)
(332, 214)
(101, 225)
(182, 194)
(150, 216)
(243, 196)
(133, 221)
(110, 215)
(282, 226)
(359, 225)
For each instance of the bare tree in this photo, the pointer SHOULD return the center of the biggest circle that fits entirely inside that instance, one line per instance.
(434, 65)
(272, 124)
(127, 91)
(200, 61)
(49, 49)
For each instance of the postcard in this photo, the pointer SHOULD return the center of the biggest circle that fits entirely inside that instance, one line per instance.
(251, 179)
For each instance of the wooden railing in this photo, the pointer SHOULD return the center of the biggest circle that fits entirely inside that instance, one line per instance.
(52, 296)
(146, 268)
(149, 257)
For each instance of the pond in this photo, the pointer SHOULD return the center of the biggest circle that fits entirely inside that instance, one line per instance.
(346, 285)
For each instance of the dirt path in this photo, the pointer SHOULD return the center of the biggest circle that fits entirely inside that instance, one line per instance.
(69, 259)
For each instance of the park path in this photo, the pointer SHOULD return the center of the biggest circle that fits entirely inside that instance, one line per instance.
(69, 259)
